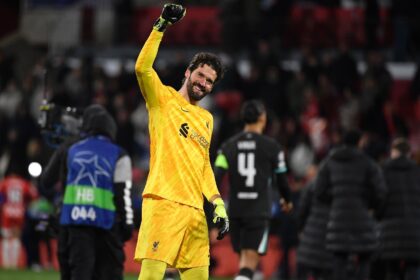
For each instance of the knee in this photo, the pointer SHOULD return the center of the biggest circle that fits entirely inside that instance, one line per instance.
(195, 273)
(152, 270)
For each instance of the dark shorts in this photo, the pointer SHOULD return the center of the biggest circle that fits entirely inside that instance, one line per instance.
(94, 253)
(249, 233)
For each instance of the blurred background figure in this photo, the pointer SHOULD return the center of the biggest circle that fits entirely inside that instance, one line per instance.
(400, 217)
(16, 193)
(314, 261)
(39, 231)
(252, 160)
(351, 229)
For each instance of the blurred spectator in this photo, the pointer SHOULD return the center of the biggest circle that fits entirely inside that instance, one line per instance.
(16, 192)
(344, 69)
(235, 33)
(123, 12)
(351, 228)
(6, 69)
(38, 229)
(295, 93)
(400, 219)
(10, 98)
(313, 124)
(301, 157)
(349, 110)
(271, 90)
(415, 84)
(372, 21)
(328, 98)
(275, 19)
(310, 65)
(403, 13)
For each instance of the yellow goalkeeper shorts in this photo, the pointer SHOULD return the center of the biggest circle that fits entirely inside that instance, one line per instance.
(174, 233)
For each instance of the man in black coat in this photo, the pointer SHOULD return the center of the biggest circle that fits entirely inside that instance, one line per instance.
(314, 261)
(353, 184)
(400, 221)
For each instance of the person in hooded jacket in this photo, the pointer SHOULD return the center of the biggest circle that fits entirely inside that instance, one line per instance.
(96, 215)
(55, 173)
(314, 261)
(353, 185)
(400, 220)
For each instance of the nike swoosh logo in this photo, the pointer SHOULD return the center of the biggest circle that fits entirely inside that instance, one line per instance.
(185, 110)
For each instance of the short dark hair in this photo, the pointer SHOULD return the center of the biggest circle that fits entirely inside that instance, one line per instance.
(401, 144)
(352, 137)
(209, 59)
(251, 110)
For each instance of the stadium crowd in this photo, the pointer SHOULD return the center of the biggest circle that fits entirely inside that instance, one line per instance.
(309, 107)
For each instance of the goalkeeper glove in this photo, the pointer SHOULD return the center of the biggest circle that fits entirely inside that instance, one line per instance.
(171, 13)
(220, 218)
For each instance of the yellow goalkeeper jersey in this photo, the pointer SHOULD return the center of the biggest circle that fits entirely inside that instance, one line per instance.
(180, 136)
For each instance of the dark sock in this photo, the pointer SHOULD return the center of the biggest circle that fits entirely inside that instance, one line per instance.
(170, 275)
(247, 272)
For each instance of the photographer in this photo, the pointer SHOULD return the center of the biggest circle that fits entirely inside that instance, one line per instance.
(96, 215)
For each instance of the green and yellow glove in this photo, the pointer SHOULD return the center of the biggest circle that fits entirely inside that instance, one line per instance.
(171, 13)
(220, 218)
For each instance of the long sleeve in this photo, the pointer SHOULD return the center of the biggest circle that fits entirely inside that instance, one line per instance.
(219, 174)
(304, 208)
(221, 167)
(55, 171)
(210, 190)
(149, 82)
(322, 184)
(283, 186)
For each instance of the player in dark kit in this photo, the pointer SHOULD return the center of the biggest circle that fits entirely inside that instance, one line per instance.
(252, 161)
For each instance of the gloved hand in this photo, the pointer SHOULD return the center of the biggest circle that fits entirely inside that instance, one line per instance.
(220, 218)
(171, 13)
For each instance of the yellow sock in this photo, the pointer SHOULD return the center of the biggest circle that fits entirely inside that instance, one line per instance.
(195, 273)
(152, 270)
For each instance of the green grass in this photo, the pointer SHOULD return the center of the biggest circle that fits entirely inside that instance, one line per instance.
(49, 275)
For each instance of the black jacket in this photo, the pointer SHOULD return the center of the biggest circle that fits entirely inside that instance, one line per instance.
(353, 184)
(312, 216)
(400, 222)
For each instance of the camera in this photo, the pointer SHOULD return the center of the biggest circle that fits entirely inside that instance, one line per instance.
(59, 123)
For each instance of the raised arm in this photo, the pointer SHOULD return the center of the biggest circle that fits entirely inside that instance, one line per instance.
(147, 78)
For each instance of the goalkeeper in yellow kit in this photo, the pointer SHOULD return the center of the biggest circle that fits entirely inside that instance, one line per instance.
(174, 231)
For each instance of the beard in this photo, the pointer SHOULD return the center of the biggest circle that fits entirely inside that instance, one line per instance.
(195, 96)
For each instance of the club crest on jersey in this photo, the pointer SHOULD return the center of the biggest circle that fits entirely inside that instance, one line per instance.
(155, 246)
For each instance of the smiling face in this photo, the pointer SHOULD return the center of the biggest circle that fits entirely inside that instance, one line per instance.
(200, 82)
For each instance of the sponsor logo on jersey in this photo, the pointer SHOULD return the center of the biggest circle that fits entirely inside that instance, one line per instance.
(183, 130)
(199, 139)
(194, 135)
